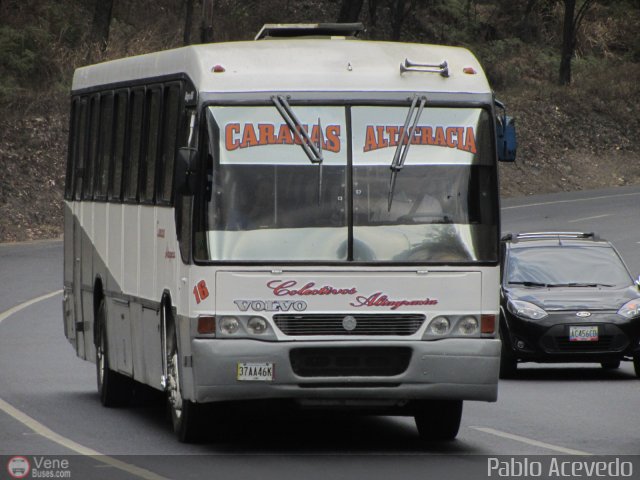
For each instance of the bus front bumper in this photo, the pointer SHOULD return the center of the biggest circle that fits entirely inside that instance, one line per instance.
(453, 369)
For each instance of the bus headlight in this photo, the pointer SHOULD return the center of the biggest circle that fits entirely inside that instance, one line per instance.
(257, 325)
(468, 326)
(439, 326)
(229, 325)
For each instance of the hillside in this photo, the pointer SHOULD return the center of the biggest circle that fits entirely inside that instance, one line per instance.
(574, 137)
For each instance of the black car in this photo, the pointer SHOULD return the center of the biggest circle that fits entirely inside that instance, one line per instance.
(566, 297)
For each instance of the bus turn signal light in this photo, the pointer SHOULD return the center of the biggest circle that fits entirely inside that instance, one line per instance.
(488, 324)
(206, 325)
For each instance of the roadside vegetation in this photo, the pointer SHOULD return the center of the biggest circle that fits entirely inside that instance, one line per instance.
(572, 135)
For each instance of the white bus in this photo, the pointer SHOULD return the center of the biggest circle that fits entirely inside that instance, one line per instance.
(305, 217)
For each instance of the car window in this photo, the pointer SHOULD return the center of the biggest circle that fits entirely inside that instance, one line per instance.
(566, 265)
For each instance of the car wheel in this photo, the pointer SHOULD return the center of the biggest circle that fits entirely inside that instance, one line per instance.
(115, 389)
(508, 361)
(438, 420)
(610, 364)
(636, 365)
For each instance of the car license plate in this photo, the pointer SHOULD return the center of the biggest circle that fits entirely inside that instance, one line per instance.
(255, 372)
(583, 334)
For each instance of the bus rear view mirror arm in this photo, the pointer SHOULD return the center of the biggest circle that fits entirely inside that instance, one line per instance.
(185, 170)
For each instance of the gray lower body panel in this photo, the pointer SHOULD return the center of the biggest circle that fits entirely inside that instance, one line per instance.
(455, 369)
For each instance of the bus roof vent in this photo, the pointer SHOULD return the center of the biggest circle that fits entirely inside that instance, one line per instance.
(317, 30)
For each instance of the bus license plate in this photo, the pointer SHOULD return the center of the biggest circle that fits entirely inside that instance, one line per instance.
(255, 372)
(583, 334)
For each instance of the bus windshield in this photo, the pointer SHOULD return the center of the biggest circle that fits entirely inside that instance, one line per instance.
(265, 201)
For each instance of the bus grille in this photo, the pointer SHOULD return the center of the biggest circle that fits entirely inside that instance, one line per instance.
(350, 361)
(334, 324)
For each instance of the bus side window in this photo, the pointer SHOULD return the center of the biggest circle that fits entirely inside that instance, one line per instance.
(92, 158)
(169, 140)
(132, 164)
(103, 165)
(72, 154)
(80, 149)
(119, 137)
(154, 104)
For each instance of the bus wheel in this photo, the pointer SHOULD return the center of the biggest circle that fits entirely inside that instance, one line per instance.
(438, 420)
(636, 365)
(186, 416)
(115, 389)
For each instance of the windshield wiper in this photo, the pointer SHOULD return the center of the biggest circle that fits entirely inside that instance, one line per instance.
(404, 143)
(530, 284)
(311, 150)
(577, 284)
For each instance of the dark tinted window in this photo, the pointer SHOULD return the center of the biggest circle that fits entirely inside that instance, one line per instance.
(566, 265)
(79, 149)
(105, 146)
(119, 137)
(135, 137)
(71, 153)
(154, 99)
(169, 136)
(92, 159)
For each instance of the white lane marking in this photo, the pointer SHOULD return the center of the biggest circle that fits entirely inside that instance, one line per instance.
(49, 434)
(17, 308)
(590, 218)
(530, 441)
(570, 201)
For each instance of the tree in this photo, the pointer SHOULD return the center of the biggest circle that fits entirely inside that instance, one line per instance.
(188, 20)
(206, 25)
(350, 10)
(570, 27)
(101, 24)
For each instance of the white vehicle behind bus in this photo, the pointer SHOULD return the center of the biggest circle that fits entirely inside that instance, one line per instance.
(313, 220)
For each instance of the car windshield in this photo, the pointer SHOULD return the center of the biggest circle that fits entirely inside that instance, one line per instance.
(267, 200)
(572, 266)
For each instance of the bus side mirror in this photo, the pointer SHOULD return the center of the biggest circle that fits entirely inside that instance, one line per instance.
(185, 171)
(506, 137)
(506, 143)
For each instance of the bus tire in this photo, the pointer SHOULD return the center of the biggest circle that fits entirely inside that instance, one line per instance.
(636, 364)
(438, 420)
(114, 389)
(186, 416)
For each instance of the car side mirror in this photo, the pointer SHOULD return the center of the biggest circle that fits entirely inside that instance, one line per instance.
(185, 171)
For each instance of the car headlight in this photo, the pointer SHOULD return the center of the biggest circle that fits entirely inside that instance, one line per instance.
(526, 309)
(630, 309)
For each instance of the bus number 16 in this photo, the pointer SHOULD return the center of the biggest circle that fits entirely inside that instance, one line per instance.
(201, 291)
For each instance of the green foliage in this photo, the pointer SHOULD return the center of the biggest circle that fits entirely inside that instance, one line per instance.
(21, 52)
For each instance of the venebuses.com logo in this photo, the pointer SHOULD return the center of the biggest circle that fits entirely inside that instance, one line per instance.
(18, 467)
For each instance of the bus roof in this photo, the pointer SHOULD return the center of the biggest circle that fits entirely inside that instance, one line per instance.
(298, 65)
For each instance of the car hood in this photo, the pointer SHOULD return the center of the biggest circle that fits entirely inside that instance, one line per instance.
(575, 298)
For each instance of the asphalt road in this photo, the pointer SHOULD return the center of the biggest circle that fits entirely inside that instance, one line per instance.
(49, 405)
